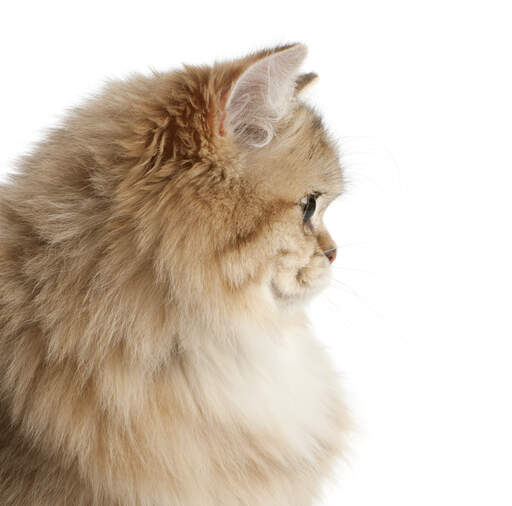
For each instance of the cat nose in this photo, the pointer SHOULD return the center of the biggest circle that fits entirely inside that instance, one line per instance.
(330, 254)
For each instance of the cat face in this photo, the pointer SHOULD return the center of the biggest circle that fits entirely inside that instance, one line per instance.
(298, 175)
(290, 171)
(236, 175)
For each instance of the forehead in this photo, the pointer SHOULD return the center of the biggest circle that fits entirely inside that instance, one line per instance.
(321, 160)
(300, 159)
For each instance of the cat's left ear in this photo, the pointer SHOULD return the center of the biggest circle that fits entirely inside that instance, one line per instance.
(262, 95)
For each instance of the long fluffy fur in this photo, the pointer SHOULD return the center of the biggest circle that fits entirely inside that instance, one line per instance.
(153, 266)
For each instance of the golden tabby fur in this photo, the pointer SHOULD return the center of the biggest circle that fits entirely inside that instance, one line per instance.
(153, 268)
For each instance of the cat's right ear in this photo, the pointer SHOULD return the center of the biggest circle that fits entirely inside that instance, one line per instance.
(261, 95)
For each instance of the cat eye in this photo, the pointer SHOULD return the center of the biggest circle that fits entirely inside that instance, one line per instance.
(308, 204)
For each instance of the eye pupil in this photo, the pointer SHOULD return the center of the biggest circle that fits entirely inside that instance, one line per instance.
(308, 207)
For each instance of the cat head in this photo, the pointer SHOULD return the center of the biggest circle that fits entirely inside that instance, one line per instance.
(232, 177)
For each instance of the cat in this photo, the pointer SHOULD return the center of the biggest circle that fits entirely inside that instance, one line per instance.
(157, 250)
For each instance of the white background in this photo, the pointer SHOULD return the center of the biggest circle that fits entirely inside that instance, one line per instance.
(419, 95)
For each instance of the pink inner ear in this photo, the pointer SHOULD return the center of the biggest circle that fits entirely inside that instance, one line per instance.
(222, 131)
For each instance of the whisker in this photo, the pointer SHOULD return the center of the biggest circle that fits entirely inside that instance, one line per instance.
(353, 269)
(352, 244)
(325, 296)
(347, 289)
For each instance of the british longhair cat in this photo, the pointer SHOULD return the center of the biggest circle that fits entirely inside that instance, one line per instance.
(156, 252)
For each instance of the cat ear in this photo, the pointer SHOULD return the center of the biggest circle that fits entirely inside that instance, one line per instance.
(262, 95)
(304, 81)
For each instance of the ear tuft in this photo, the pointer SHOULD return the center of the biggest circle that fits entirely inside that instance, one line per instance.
(263, 94)
(304, 81)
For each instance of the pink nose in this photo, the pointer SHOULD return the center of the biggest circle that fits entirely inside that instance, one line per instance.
(330, 254)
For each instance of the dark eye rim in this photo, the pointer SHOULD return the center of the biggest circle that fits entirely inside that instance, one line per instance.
(308, 204)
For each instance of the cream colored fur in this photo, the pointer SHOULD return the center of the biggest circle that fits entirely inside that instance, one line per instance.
(154, 265)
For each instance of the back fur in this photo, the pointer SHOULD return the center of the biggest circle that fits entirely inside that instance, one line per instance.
(153, 267)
